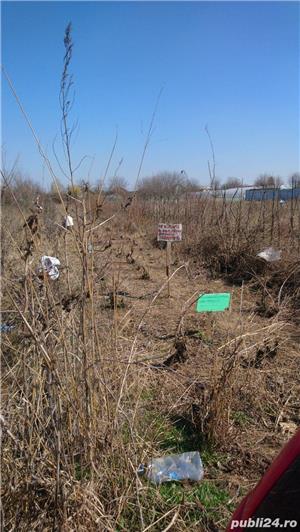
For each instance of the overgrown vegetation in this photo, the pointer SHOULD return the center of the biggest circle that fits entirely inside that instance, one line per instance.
(86, 396)
(83, 403)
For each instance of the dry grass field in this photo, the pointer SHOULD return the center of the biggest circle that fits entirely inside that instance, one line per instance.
(87, 394)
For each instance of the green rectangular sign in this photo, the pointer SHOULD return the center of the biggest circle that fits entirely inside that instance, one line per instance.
(213, 302)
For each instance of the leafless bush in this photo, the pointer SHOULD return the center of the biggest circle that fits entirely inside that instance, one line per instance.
(294, 180)
(167, 185)
(232, 182)
(24, 189)
(268, 181)
(117, 182)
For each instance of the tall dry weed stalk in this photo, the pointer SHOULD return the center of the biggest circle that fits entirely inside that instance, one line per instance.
(64, 391)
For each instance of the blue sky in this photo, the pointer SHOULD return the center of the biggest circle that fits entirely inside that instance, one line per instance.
(231, 65)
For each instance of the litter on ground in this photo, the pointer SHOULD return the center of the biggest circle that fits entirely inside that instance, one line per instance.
(50, 264)
(270, 254)
(68, 221)
(175, 467)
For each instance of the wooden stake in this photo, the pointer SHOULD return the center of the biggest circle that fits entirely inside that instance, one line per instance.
(168, 263)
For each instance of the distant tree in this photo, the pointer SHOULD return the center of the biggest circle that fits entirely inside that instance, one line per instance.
(268, 181)
(190, 184)
(117, 182)
(25, 190)
(166, 184)
(294, 180)
(85, 185)
(232, 182)
(215, 183)
(8, 176)
(54, 186)
(74, 191)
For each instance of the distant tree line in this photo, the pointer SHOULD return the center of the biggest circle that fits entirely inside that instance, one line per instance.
(268, 181)
(264, 180)
(166, 184)
(160, 185)
(232, 182)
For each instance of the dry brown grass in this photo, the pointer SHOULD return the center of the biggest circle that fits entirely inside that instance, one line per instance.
(85, 396)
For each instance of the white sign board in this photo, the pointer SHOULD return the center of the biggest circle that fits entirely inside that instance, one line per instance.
(169, 232)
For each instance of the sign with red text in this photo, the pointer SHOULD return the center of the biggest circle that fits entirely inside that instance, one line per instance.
(169, 232)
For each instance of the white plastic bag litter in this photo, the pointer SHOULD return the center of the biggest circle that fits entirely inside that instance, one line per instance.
(68, 221)
(50, 264)
(270, 254)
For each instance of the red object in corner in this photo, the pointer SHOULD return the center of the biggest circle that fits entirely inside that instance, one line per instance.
(252, 501)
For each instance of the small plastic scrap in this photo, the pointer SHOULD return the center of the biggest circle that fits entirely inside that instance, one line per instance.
(6, 328)
(68, 221)
(50, 264)
(270, 254)
(37, 205)
(185, 466)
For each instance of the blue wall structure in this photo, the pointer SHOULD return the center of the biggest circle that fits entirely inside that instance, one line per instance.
(262, 194)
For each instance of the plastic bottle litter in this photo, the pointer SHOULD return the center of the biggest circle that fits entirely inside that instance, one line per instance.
(185, 466)
(50, 264)
(270, 254)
